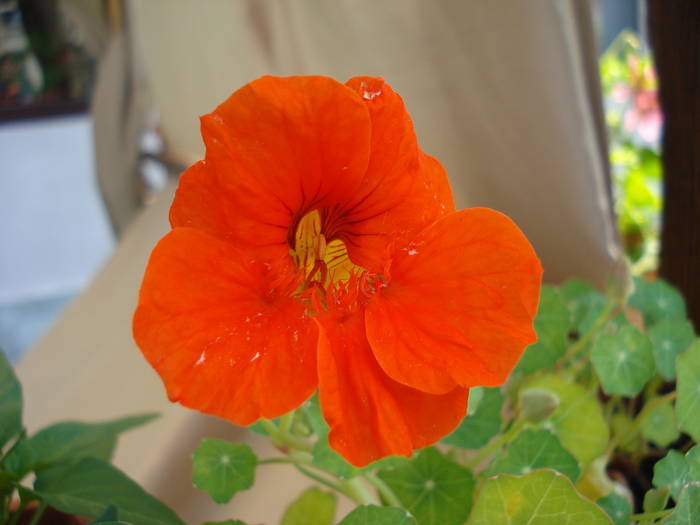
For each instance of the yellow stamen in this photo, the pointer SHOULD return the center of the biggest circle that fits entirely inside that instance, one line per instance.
(311, 247)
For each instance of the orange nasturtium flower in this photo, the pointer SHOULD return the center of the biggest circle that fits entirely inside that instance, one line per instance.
(317, 247)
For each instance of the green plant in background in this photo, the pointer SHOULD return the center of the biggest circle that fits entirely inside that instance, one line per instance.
(597, 424)
(70, 465)
(634, 123)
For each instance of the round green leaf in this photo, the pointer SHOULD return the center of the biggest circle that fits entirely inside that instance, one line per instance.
(432, 488)
(669, 338)
(585, 304)
(657, 300)
(552, 326)
(536, 404)
(533, 450)
(656, 499)
(659, 425)
(688, 387)
(222, 468)
(372, 515)
(671, 472)
(617, 507)
(543, 496)
(624, 361)
(688, 508)
(576, 405)
(482, 422)
(313, 507)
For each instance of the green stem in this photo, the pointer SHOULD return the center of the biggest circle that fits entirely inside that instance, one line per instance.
(269, 426)
(358, 492)
(280, 436)
(383, 489)
(495, 445)
(270, 461)
(286, 423)
(650, 516)
(320, 479)
(38, 512)
(610, 407)
(579, 345)
(351, 488)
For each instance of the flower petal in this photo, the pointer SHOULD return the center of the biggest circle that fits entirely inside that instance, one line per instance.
(276, 149)
(459, 306)
(222, 338)
(403, 190)
(369, 414)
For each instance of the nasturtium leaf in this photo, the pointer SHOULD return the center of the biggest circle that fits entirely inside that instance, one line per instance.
(656, 500)
(536, 404)
(222, 468)
(688, 387)
(541, 497)
(624, 361)
(373, 515)
(669, 338)
(576, 405)
(533, 450)
(585, 304)
(657, 300)
(692, 458)
(659, 425)
(481, 424)
(672, 472)
(432, 488)
(552, 326)
(10, 402)
(617, 507)
(688, 508)
(313, 507)
(71, 441)
(89, 487)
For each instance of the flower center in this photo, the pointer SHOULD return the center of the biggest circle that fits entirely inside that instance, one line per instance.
(323, 261)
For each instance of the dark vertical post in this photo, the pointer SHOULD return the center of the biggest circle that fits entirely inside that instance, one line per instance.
(674, 29)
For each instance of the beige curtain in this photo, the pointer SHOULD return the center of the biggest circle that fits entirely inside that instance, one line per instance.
(503, 92)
